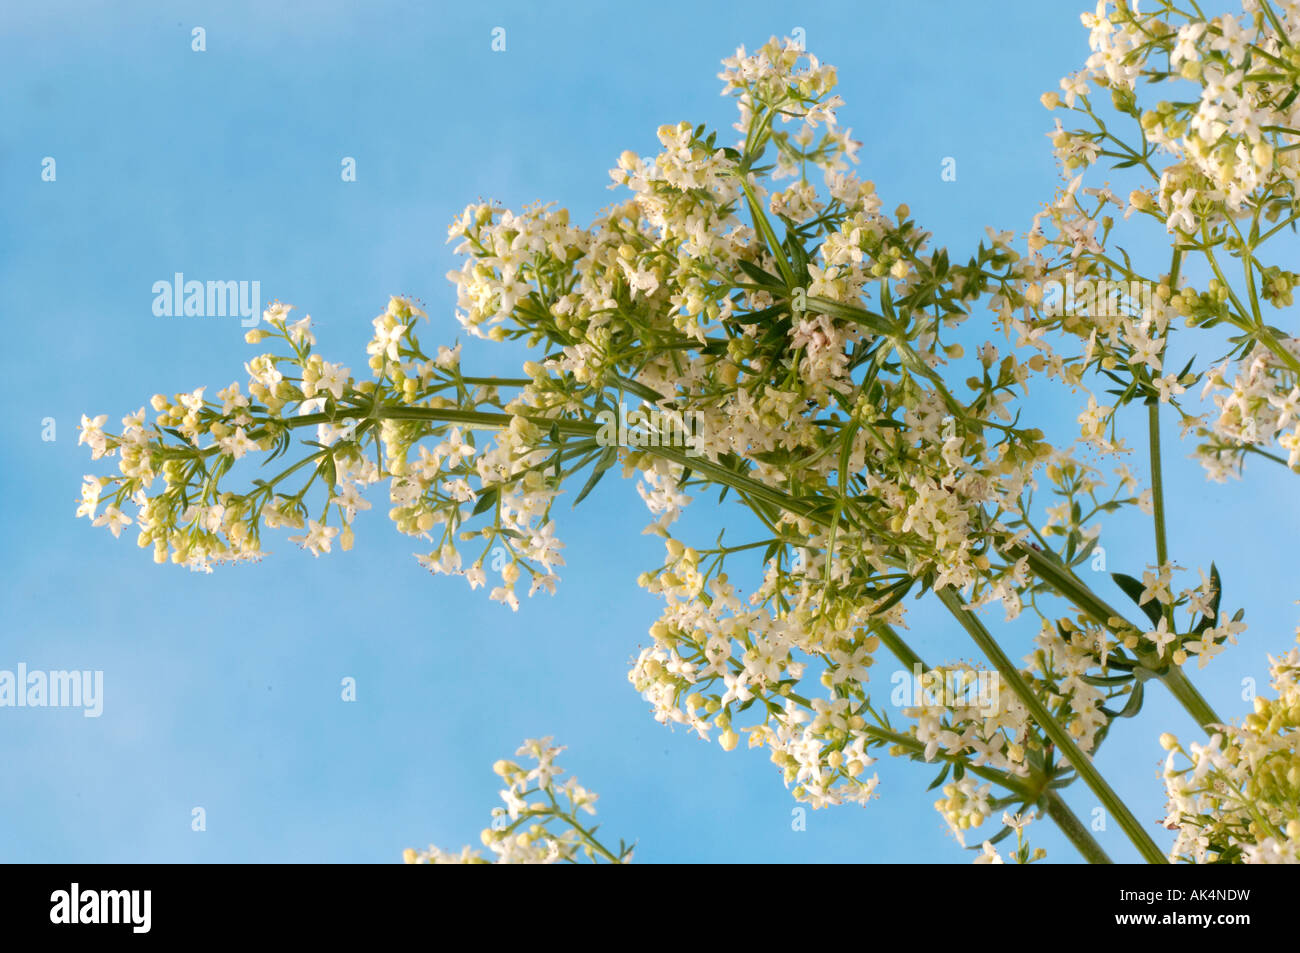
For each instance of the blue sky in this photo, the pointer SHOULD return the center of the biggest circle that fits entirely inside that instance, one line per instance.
(222, 691)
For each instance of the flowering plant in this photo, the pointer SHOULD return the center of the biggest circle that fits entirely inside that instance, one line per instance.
(813, 339)
(556, 834)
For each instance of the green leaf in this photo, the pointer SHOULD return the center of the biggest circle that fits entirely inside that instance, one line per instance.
(760, 276)
(756, 317)
(855, 315)
(1134, 704)
(1133, 589)
(897, 593)
(604, 463)
(1121, 663)
(798, 257)
(486, 500)
(1213, 616)
(846, 451)
(939, 262)
(764, 228)
(995, 839)
(1106, 681)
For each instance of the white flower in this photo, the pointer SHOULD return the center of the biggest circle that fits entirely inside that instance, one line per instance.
(333, 378)
(317, 538)
(1180, 216)
(1161, 637)
(114, 519)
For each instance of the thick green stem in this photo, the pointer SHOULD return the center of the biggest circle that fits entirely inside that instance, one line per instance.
(1074, 829)
(1052, 728)
(1157, 483)
(894, 642)
(1193, 701)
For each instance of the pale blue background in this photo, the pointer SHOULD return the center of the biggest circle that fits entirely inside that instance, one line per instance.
(223, 690)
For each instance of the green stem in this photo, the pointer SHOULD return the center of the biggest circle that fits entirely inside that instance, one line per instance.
(894, 642)
(1157, 484)
(1193, 701)
(1073, 828)
(1270, 341)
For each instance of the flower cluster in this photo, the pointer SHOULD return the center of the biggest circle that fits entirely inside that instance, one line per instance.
(715, 656)
(1022, 854)
(1258, 404)
(542, 831)
(1212, 153)
(1236, 799)
(812, 337)
(394, 428)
